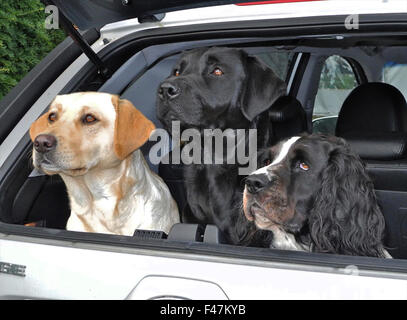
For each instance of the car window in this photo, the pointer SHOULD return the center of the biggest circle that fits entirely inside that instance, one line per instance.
(395, 74)
(278, 61)
(336, 81)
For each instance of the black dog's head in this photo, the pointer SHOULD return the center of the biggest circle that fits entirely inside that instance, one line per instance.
(317, 182)
(217, 88)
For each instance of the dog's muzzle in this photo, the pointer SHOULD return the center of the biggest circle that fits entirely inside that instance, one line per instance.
(256, 187)
(168, 91)
(254, 184)
(44, 143)
(257, 182)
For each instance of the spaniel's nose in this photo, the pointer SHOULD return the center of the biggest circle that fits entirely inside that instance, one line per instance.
(168, 90)
(256, 182)
(44, 143)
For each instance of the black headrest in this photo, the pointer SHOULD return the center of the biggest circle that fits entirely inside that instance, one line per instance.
(373, 107)
(286, 108)
(385, 146)
(373, 119)
(287, 118)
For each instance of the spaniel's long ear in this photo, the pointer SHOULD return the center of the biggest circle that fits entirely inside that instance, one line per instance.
(345, 218)
(132, 128)
(261, 90)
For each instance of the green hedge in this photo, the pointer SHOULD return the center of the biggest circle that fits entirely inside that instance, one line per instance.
(24, 40)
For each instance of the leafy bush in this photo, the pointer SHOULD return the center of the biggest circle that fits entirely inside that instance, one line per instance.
(24, 40)
(337, 73)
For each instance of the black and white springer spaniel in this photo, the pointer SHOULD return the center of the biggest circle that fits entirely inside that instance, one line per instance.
(315, 195)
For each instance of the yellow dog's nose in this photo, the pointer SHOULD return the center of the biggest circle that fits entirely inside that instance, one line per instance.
(44, 143)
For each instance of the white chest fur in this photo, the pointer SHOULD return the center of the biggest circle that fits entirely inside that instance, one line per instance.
(121, 199)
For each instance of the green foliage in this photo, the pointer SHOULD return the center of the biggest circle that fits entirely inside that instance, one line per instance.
(24, 40)
(337, 74)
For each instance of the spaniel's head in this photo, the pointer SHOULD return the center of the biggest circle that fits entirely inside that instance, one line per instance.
(316, 183)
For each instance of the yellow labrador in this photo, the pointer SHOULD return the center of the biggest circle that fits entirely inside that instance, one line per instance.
(92, 141)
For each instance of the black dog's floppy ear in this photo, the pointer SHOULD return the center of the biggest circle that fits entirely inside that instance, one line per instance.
(345, 218)
(262, 88)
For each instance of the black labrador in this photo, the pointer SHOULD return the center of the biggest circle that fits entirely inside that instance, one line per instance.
(221, 88)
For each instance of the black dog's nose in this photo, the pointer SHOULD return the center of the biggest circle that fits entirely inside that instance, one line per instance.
(45, 143)
(256, 182)
(168, 90)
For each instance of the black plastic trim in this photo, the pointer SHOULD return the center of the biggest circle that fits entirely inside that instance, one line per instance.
(291, 68)
(84, 45)
(13, 164)
(216, 250)
(295, 86)
(357, 69)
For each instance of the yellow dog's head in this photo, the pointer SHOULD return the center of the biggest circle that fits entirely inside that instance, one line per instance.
(87, 130)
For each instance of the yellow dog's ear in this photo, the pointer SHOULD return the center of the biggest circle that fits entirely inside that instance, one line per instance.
(39, 126)
(132, 128)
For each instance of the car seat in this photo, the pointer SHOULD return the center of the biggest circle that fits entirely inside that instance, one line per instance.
(373, 120)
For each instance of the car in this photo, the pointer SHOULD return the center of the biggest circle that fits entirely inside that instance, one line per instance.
(323, 50)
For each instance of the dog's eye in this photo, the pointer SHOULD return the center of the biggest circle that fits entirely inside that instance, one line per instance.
(217, 72)
(303, 166)
(88, 119)
(52, 117)
(176, 72)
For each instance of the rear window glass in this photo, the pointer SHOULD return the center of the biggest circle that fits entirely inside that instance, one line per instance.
(396, 74)
(278, 61)
(336, 81)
